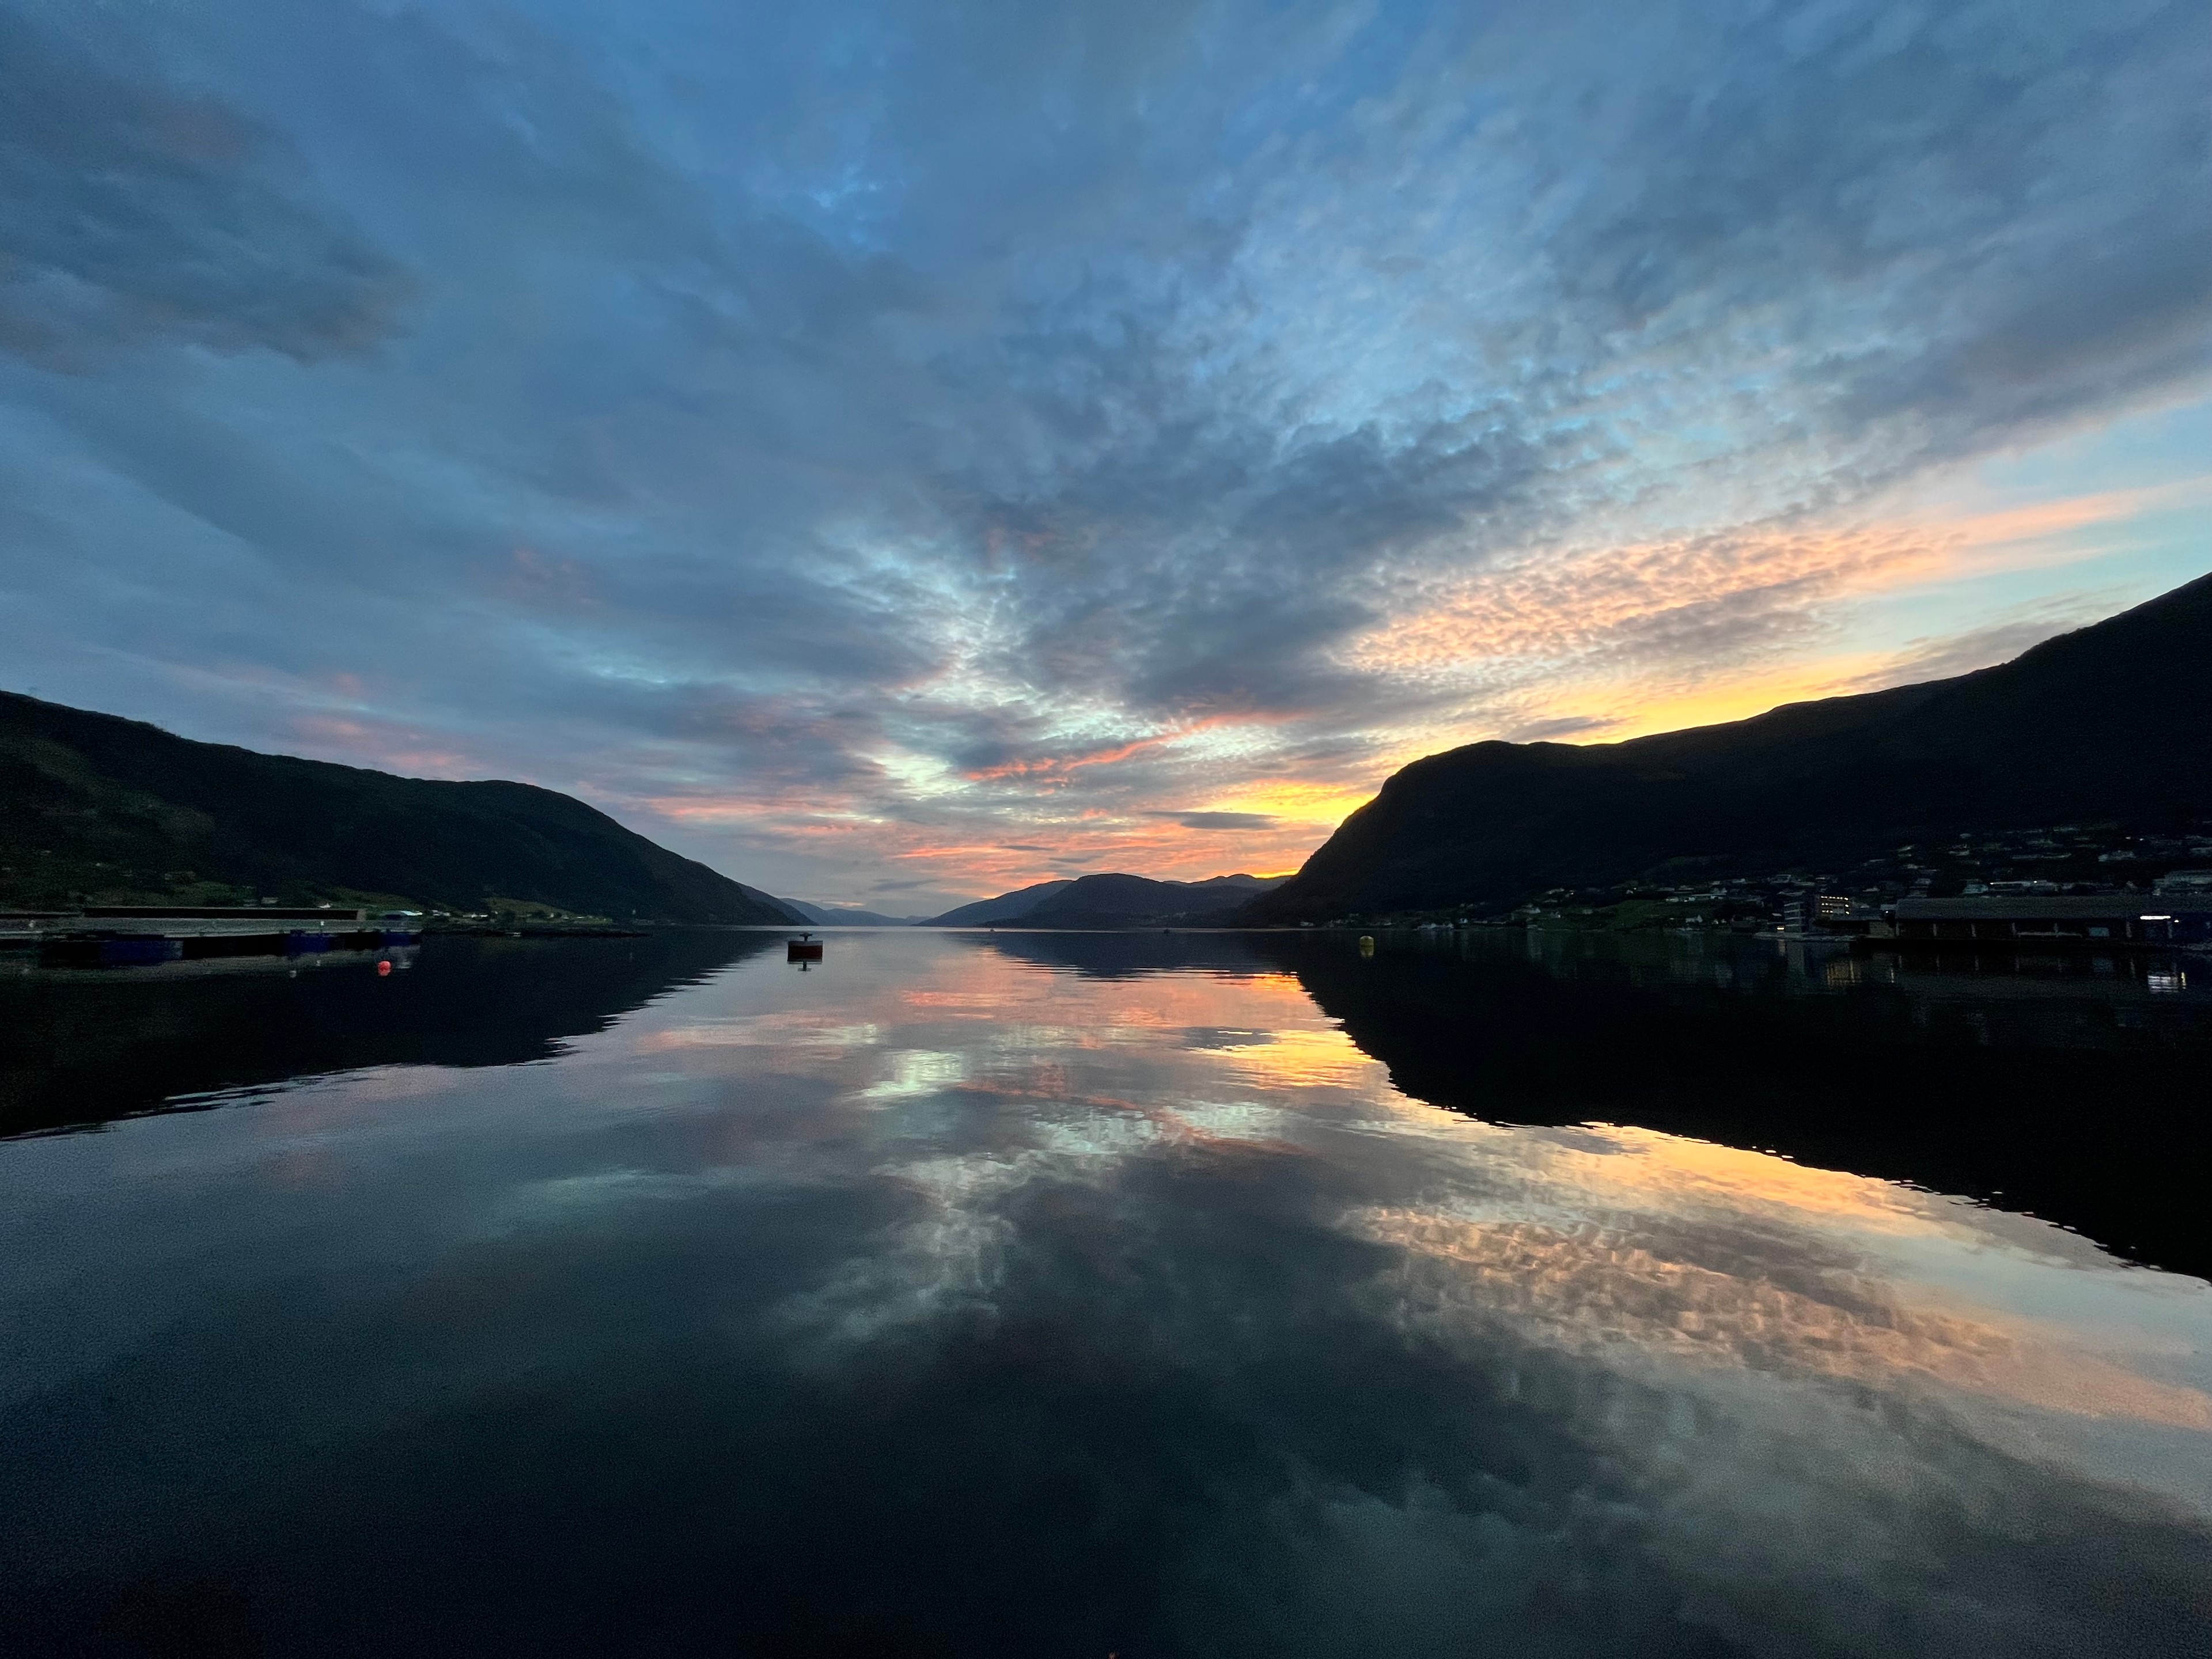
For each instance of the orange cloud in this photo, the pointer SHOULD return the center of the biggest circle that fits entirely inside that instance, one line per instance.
(1590, 643)
(1549, 611)
(1300, 801)
(1057, 767)
(2041, 519)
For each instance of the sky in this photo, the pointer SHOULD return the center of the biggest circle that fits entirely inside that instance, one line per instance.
(898, 452)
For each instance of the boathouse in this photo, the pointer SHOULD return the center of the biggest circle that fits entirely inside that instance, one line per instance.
(2087, 919)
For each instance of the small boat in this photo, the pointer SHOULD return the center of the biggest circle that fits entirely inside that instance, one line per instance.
(803, 949)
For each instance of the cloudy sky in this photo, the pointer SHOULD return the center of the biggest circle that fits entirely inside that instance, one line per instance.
(899, 452)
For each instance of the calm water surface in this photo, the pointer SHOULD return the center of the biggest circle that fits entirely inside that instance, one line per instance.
(1047, 1294)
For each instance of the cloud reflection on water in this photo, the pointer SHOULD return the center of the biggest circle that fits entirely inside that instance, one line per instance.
(1621, 1215)
(1624, 1248)
(1145, 1307)
(1615, 1195)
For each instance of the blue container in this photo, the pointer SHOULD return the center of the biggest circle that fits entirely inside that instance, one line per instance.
(299, 945)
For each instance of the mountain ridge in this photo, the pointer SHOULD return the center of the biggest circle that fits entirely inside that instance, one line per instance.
(97, 807)
(845, 915)
(2108, 722)
(1111, 899)
(1007, 906)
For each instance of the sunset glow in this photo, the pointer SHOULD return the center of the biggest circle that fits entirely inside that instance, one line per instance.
(1075, 440)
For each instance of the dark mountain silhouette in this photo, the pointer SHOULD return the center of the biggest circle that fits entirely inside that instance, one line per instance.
(1125, 901)
(1005, 907)
(1111, 901)
(846, 915)
(2112, 723)
(118, 811)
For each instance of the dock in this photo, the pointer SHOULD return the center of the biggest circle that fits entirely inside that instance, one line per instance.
(118, 936)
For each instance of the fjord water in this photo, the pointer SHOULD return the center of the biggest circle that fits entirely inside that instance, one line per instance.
(1048, 1294)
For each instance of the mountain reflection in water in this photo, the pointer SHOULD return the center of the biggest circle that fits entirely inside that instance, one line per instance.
(1040, 1294)
(79, 1047)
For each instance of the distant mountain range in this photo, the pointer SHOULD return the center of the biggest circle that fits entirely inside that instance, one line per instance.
(1112, 900)
(1007, 907)
(846, 916)
(118, 811)
(2112, 723)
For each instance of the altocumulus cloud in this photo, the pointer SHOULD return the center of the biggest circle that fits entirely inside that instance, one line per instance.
(865, 442)
(137, 211)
